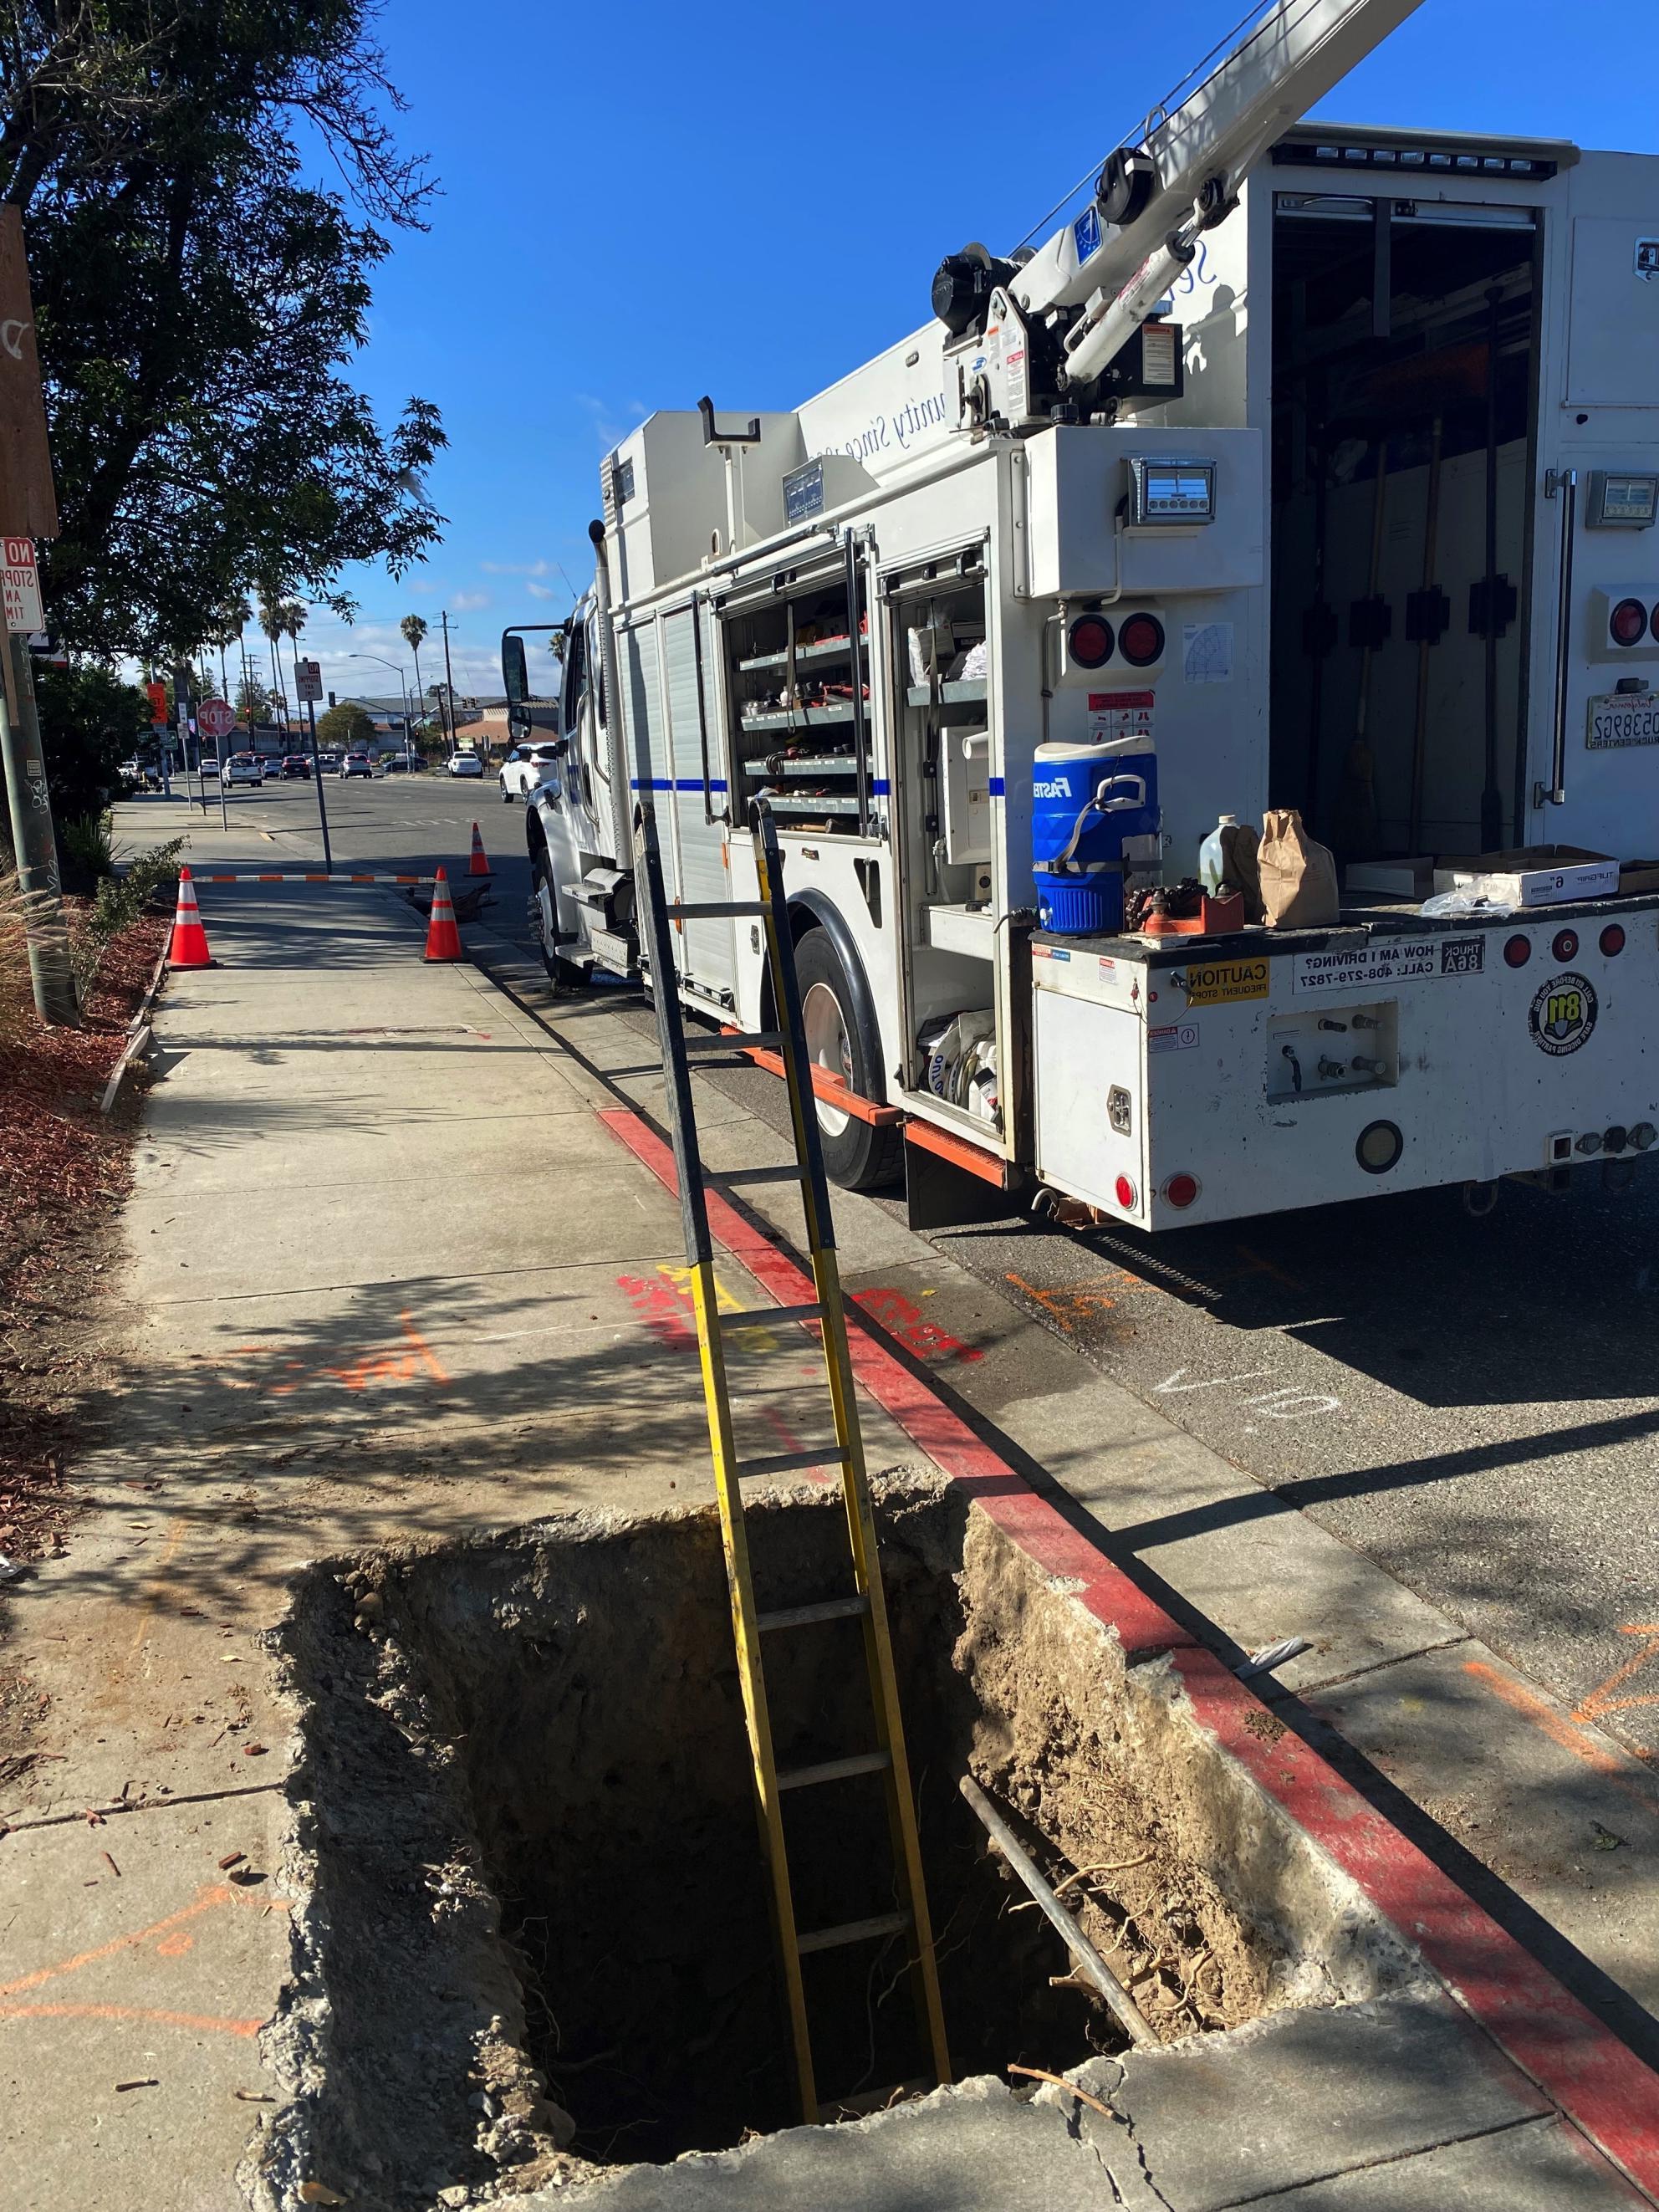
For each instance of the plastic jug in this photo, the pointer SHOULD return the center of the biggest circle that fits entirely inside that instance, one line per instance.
(1212, 863)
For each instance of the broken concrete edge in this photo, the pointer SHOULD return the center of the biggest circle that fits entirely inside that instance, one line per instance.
(1596, 2081)
(138, 1031)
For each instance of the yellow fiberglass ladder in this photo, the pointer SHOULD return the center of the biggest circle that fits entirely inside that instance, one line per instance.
(866, 1602)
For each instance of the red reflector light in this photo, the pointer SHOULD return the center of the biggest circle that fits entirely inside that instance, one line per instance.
(1518, 952)
(1140, 641)
(1181, 1190)
(1653, 622)
(1091, 641)
(1125, 1191)
(1628, 622)
(1611, 940)
(1566, 943)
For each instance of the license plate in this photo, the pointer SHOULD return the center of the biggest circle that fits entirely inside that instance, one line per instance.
(1623, 718)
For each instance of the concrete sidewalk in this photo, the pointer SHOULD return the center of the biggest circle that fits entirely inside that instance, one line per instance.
(388, 1276)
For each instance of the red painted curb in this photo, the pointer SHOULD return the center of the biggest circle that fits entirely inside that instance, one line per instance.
(1600, 2084)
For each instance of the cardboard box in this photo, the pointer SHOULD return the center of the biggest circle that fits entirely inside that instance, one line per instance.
(1409, 879)
(1535, 875)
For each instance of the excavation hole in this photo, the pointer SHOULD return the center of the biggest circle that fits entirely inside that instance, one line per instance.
(557, 1715)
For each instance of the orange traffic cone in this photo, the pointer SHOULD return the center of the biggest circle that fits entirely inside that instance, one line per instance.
(443, 939)
(189, 947)
(479, 864)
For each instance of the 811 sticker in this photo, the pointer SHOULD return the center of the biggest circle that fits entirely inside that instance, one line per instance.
(1563, 1014)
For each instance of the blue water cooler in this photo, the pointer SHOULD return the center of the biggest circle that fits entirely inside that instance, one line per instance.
(1085, 801)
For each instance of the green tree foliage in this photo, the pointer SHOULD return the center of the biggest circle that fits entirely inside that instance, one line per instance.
(197, 295)
(346, 729)
(90, 723)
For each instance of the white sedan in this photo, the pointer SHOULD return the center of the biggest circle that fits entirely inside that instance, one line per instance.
(465, 764)
(528, 766)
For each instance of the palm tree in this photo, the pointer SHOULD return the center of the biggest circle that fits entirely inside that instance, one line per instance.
(230, 618)
(293, 613)
(414, 629)
(273, 611)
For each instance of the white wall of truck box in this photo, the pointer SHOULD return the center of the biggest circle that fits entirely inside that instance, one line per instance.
(1482, 1068)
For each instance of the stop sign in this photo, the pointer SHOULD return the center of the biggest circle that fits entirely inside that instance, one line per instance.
(213, 719)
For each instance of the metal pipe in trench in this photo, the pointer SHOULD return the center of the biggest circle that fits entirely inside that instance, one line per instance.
(1095, 1969)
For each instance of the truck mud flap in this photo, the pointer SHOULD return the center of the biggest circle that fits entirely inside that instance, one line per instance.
(949, 1184)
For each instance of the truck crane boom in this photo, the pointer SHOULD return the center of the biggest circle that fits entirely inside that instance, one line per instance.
(1080, 298)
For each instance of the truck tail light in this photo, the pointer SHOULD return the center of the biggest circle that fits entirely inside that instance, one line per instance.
(1126, 1193)
(1628, 622)
(1090, 641)
(1518, 951)
(1642, 1136)
(1565, 946)
(1140, 641)
(1181, 1190)
(1653, 622)
(1611, 940)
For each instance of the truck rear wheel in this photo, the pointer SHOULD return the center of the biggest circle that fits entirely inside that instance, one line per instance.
(841, 1038)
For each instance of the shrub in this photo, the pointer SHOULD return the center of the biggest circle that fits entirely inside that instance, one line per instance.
(86, 841)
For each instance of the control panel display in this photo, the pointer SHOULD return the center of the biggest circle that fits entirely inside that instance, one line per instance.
(1620, 499)
(1171, 494)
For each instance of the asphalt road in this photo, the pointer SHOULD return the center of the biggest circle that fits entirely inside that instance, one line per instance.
(1474, 1404)
(394, 823)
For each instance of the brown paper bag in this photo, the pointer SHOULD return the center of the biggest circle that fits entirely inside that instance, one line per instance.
(1298, 875)
(1240, 870)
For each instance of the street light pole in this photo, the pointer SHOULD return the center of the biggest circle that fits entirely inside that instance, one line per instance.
(449, 678)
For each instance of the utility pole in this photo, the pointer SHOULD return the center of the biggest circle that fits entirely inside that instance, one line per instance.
(449, 679)
(51, 976)
(29, 506)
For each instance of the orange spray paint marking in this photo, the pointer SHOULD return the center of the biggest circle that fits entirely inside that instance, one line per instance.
(1559, 1729)
(152, 1589)
(197, 2021)
(1601, 1699)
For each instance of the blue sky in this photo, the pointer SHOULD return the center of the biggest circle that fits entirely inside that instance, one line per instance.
(640, 205)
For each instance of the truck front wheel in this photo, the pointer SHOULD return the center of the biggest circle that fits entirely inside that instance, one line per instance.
(841, 1039)
(544, 923)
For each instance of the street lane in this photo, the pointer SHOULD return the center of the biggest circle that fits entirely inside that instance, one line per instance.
(395, 824)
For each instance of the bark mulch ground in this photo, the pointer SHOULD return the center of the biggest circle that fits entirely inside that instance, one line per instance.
(64, 1171)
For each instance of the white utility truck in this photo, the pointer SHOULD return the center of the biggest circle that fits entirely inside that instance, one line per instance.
(1305, 467)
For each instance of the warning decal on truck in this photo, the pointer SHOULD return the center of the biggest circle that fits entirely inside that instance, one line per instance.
(1364, 965)
(1219, 982)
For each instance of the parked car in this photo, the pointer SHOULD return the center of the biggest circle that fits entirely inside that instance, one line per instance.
(466, 762)
(356, 764)
(526, 766)
(393, 764)
(245, 768)
(295, 764)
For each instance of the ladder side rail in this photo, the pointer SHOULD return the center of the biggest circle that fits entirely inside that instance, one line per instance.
(746, 1628)
(855, 1487)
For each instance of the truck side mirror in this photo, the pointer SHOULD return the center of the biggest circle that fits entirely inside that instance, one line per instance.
(515, 683)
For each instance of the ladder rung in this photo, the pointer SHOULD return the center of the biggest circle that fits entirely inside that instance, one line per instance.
(765, 1317)
(718, 910)
(803, 1616)
(732, 1041)
(834, 1770)
(854, 1931)
(785, 1462)
(790, 1174)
